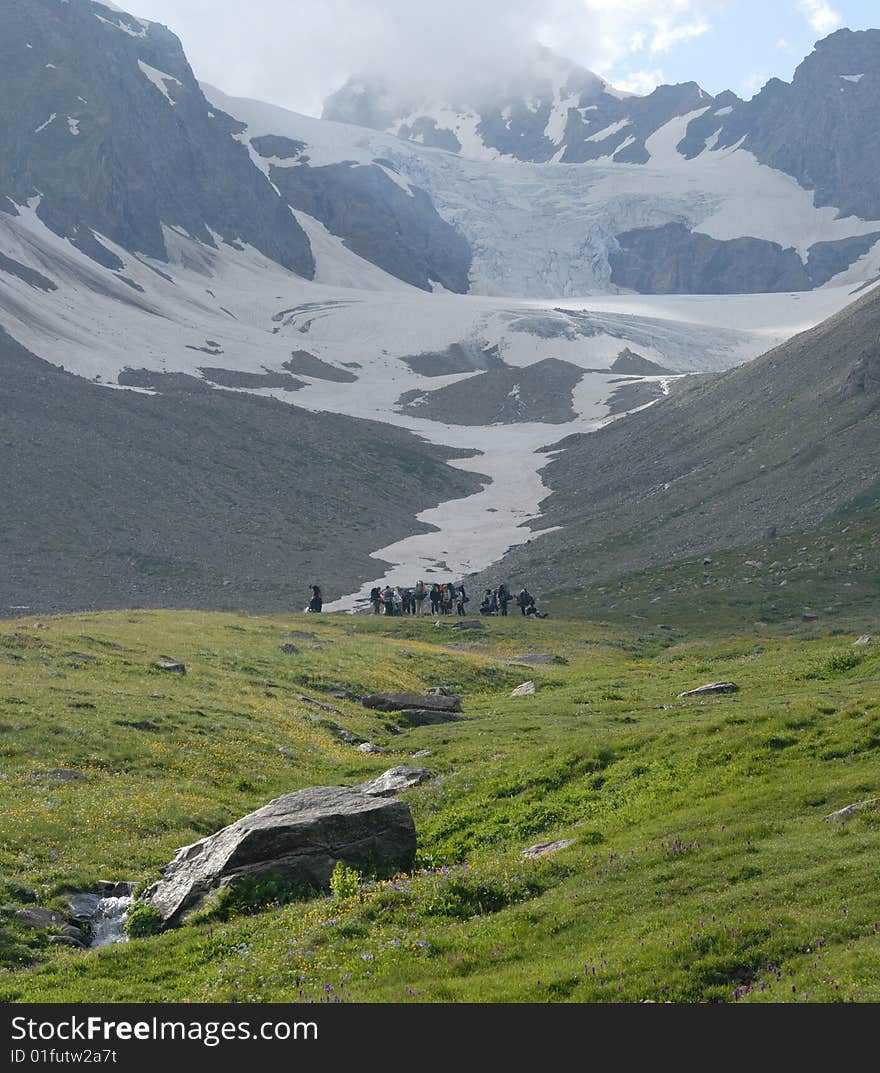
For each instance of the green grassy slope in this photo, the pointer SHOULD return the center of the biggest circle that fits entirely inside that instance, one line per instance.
(701, 868)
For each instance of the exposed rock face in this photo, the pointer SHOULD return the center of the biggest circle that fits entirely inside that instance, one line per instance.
(627, 361)
(711, 688)
(673, 260)
(816, 128)
(539, 392)
(464, 357)
(401, 702)
(113, 132)
(298, 836)
(865, 376)
(306, 364)
(397, 229)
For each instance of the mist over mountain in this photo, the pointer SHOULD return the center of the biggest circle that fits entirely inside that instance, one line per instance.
(497, 272)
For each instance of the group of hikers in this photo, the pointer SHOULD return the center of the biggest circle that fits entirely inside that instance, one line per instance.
(438, 599)
(447, 599)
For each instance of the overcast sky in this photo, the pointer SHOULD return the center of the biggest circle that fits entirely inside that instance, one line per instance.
(296, 52)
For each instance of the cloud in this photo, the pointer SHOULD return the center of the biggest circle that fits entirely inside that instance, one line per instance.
(668, 33)
(640, 82)
(820, 15)
(296, 52)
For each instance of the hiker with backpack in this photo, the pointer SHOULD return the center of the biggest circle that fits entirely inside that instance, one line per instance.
(462, 600)
(317, 600)
(435, 599)
(524, 599)
(376, 599)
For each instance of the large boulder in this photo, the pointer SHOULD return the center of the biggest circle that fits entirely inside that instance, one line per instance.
(401, 702)
(298, 836)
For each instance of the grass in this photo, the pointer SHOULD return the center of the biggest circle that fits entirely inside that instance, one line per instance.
(701, 868)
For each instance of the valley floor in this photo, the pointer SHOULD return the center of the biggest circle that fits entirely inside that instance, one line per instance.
(702, 865)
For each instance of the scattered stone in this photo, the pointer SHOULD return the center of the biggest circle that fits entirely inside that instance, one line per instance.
(109, 888)
(664, 626)
(63, 774)
(297, 836)
(172, 666)
(369, 747)
(421, 753)
(865, 639)
(66, 940)
(346, 736)
(304, 634)
(82, 656)
(35, 916)
(82, 905)
(440, 691)
(525, 690)
(424, 717)
(401, 702)
(707, 562)
(809, 617)
(40, 626)
(712, 687)
(13, 657)
(73, 932)
(394, 780)
(289, 649)
(547, 849)
(289, 753)
(56, 674)
(535, 657)
(850, 810)
(469, 624)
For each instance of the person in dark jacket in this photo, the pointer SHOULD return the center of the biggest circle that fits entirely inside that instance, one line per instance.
(524, 598)
(462, 600)
(317, 600)
(503, 598)
(434, 596)
(376, 599)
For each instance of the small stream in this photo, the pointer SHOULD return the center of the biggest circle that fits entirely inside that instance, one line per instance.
(105, 913)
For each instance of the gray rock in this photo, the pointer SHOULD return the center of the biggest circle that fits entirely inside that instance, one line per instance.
(289, 753)
(63, 774)
(851, 810)
(82, 905)
(525, 690)
(289, 649)
(394, 780)
(35, 916)
(865, 639)
(66, 940)
(172, 666)
(712, 687)
(471, 624)
(73, 932)
(346, 736)
(547, 849)
(400, 702)
(298, 836)
(421, 753)
(111, 888)
(534, 657)
(423, 717)
(808, 616)
(369, 747)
